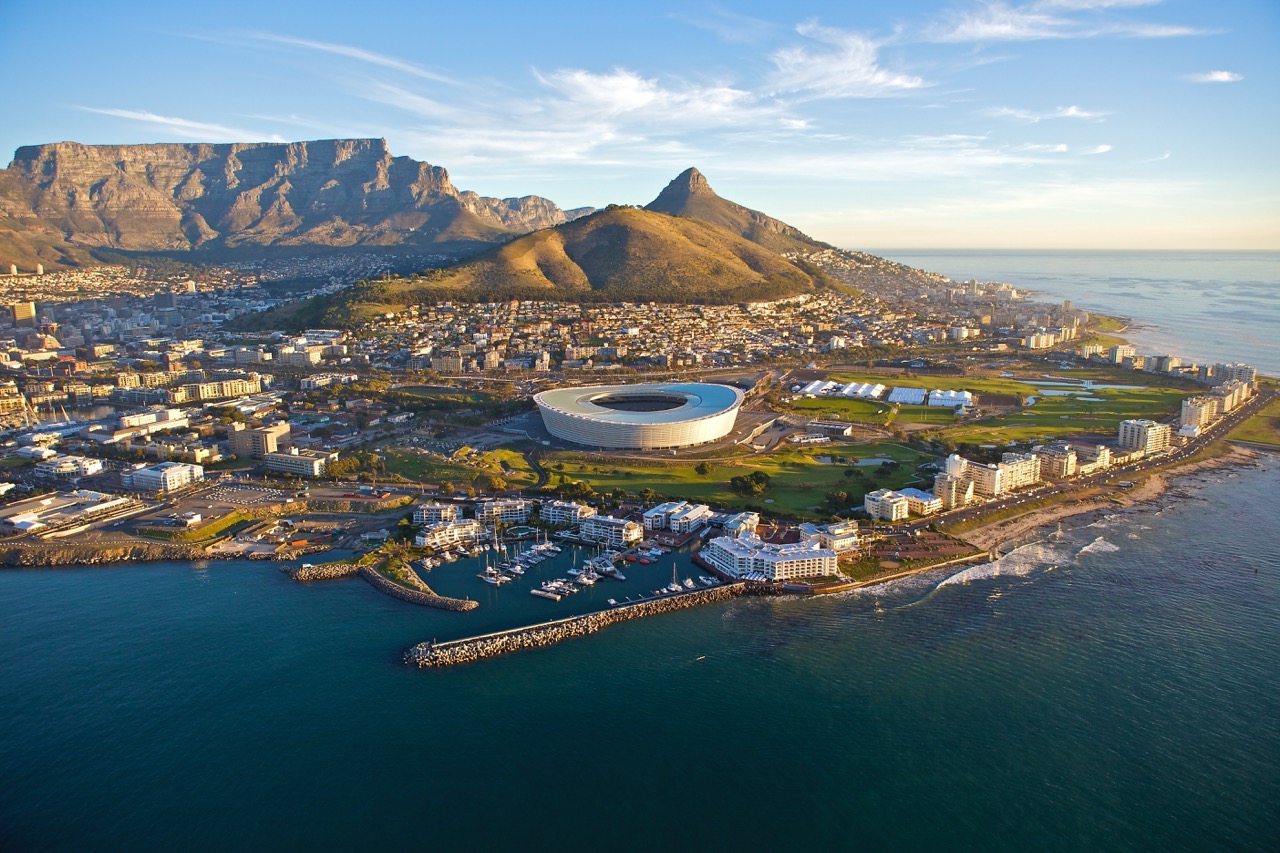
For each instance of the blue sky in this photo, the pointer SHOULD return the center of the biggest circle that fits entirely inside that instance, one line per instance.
(1042, 124)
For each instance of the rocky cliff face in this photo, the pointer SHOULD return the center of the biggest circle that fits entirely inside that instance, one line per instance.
(176, 197)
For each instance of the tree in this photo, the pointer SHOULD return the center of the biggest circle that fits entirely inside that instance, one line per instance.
(755, 483)
(648, 495)
(703, 469)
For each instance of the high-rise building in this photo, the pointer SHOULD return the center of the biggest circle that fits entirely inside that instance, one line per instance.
(1145, 435)
(23, 314)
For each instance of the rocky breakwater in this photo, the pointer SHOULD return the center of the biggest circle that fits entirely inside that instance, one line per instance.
(322, 571)
(429, 654)
(423, 595)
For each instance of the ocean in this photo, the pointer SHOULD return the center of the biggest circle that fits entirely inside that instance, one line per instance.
(1205, 306)
(1109, 684)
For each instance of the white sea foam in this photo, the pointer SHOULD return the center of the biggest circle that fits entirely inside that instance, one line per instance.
(1098, 546)
(1019, 562)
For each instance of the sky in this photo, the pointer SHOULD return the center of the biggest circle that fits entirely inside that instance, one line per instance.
(907, 124)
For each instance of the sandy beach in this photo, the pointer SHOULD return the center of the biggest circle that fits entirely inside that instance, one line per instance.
(997, 533)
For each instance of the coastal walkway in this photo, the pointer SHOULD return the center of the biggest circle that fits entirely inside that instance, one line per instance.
(469, 649)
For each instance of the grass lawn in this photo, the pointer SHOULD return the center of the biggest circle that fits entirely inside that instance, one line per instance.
(978, 384)
(509, 464)
(453, 395)
(843, 409)
(800, 481)
(1262, 427)
(426, 468)
(1051, 417)
(935, 415)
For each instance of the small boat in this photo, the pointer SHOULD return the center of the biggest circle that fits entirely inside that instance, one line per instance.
(689, 584)
(613, 602)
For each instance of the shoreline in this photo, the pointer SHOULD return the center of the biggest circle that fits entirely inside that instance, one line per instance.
(995, 535)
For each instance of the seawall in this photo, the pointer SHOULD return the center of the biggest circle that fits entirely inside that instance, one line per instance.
(68, 554)
(490, 645)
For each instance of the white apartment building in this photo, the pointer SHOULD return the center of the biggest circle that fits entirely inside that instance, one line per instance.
(449, 534)
(839, 536)
(610, 531)
(1057, 461)
(304, 463)
(886, 504)
(434, 513)
(161, 477)
(1020, 469)
(749, 557)
(566, 512)
(742, 523)
(1200, 411)
(677, 516)
(921, 502)
(953, 491)
(504, 511)
(1145, 435)
(70, 467)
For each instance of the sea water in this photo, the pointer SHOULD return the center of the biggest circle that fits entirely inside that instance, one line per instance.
(1204, 306)
(1109, 684)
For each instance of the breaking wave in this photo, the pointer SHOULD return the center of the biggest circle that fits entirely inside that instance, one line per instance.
(1098, 546)
(1019, 562)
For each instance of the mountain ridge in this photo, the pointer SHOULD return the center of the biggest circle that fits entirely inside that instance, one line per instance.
(63, 201)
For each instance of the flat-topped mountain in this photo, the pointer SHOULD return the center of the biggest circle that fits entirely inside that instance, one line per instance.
(690, 195)
(61, 201)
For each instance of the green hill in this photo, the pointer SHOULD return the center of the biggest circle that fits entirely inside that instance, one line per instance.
(620, 254)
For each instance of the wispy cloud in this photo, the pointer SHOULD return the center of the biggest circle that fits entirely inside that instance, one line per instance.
(1097, 149)
(187, 128)
(357, 53)
(730, 26)
(1215, 77)
(846, 65)
(1031, 116)
(1049, 19)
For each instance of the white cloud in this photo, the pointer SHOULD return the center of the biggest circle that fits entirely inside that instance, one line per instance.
(1032, 117)
(1049, 19)
(847, 66)
(1097, 149)
(187, 128)
(356, 53)
(1215, 77)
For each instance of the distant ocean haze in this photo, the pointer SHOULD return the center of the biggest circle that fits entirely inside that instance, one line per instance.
(1206, 307)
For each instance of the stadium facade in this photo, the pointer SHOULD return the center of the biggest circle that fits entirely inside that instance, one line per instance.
(646, 416)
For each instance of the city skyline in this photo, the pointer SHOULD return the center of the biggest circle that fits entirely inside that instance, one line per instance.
(1050, 124)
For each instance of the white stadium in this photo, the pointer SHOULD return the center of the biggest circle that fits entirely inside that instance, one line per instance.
(640, 417)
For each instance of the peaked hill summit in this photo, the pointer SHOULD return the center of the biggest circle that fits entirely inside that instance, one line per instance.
(709, 250)
(690, 195)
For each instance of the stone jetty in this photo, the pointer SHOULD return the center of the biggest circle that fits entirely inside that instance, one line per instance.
(322, 571)
(423, 595)
(490, 645)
